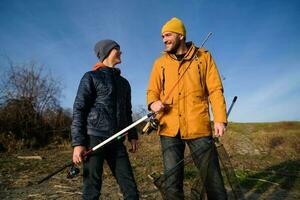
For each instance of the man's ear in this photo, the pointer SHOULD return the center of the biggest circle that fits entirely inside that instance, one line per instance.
(181, 37)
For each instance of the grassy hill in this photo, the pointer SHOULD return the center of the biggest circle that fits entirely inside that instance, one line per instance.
(265, 157)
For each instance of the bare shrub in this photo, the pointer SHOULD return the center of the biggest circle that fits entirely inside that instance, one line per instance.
(29, 106)
(28, 81)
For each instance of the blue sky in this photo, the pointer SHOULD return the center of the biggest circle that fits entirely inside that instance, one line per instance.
(255, 44)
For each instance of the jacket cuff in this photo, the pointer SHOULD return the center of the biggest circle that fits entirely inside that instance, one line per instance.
(133, 134)
(79, 141)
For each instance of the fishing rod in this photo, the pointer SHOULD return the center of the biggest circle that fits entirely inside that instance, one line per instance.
(73, 171)
(207, 37)
(231, 106)
(227, 166)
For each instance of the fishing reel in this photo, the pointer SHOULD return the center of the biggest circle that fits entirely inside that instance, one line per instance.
(152, 124)
(72, 171)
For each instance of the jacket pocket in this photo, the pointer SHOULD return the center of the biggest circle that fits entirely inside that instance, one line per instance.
(198, 106)
(98, 118)
(198, 96)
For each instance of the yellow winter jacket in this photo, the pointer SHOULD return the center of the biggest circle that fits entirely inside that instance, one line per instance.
(187, 107)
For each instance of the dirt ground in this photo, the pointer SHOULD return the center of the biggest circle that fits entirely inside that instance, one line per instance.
(19, 177)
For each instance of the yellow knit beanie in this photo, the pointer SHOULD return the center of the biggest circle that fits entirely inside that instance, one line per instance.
(174, 25)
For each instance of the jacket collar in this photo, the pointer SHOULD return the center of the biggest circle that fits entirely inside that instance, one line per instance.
(100, 65)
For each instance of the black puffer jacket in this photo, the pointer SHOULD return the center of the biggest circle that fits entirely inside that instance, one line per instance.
(102, 106)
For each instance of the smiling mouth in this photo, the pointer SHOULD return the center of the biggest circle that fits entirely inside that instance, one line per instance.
(168, 44)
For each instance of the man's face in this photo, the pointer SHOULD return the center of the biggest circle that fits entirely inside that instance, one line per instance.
(171, 41)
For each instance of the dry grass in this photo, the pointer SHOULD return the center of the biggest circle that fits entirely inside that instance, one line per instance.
(265, 157)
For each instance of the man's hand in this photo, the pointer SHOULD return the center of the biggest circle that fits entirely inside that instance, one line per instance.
(219, 129)
(77, 154)
(157, 106)
(134, 145)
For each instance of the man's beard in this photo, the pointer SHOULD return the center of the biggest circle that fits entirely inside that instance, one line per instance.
(174, 48)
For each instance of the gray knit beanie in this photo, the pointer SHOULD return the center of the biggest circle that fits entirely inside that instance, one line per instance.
(103, 48)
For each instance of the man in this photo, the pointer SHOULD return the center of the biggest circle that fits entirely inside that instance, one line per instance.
(103, 107)
(183, 81)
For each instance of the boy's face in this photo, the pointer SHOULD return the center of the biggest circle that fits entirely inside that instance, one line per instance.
(115, 56)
